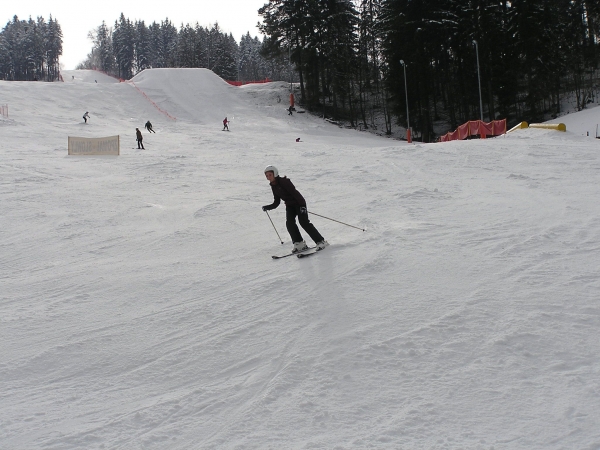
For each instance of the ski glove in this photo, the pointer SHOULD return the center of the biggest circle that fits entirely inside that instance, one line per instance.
(303, 210)
(266, 208)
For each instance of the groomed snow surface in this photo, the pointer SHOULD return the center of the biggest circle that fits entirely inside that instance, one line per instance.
(140, 307)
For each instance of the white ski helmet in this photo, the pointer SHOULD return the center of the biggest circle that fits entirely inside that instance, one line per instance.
(272, 169)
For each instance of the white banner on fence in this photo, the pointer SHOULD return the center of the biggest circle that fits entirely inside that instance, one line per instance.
(94, 146)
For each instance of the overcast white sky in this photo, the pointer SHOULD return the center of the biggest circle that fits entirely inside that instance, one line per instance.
(78, 18)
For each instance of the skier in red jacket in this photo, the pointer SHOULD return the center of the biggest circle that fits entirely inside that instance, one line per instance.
(295, 205)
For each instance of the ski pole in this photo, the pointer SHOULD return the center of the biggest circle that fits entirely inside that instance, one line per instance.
(329, 218)
(274, 227)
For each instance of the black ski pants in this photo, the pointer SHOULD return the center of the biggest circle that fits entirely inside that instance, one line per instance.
(290, 215)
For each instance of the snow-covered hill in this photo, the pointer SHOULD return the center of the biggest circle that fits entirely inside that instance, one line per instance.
(140, 307)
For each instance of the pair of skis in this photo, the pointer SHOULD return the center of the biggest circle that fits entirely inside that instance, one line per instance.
(303, 254)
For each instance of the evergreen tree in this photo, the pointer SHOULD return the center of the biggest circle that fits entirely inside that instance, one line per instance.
(167, 44)
(123, 39)
(101, 57)
(53, 48)
(202, 49)
(247, 62)
(287, 26)
(143, 51)
(225, 50)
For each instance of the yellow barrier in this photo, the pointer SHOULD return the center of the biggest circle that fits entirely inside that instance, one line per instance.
(549, 126)
(518, 126)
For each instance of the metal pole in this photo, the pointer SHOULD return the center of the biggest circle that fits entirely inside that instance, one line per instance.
(274, 227)
(329, 218)
(408, 137)
(479, 81)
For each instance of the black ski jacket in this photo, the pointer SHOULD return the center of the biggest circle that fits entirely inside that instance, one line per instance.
(284, 190)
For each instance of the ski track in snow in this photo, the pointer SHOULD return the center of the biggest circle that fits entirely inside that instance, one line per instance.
(140, 307)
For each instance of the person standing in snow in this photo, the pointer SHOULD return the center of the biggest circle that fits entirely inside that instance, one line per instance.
(295, 205)
(139, 138)
(225, 126)
(86, 116)
(148, 127)
(290, 109)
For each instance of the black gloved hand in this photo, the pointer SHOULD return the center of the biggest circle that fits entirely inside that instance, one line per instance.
(303, 210)
(265, 208)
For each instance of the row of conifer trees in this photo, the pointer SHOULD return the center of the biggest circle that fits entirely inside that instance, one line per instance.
(129, 47)
(30, 50)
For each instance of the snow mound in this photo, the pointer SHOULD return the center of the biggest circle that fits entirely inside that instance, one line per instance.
(196, 95)
(583, 123)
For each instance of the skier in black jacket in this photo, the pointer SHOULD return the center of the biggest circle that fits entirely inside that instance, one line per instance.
(295, 205)
(139, 138)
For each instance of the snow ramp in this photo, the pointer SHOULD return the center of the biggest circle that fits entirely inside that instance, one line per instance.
(196, 95)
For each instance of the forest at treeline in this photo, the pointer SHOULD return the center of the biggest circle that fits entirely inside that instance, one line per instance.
(129, 47)
(349, 57)
(30, 50)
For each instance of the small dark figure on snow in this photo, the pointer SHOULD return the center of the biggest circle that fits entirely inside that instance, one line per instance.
(295, 205)
(290, 109)
(225, 124)
(86, 116)
(138, 135)
(298, 140)
(148, 127)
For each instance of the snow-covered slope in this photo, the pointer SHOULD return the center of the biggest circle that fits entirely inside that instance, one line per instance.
(584, 123)
(140, 307)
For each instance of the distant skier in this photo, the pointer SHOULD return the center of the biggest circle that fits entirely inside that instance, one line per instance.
(139, 138)
(298, 140)
(225, 124)
(290, 109)
(86, 116)
(295, 205)
(148, 127)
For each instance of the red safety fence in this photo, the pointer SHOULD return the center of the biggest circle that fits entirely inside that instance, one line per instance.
(476, 128)
(241, 83)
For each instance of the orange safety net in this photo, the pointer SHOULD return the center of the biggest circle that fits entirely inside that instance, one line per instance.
(476, 128)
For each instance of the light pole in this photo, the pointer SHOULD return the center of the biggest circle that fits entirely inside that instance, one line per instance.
(408, 138)
(479, 80)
